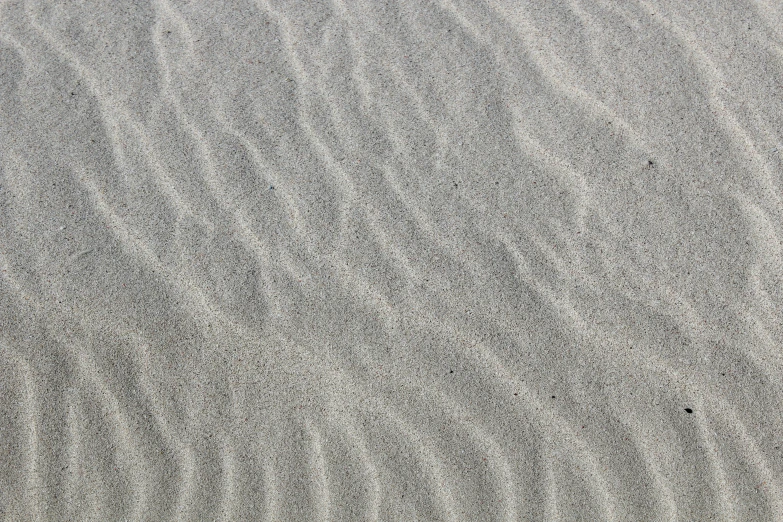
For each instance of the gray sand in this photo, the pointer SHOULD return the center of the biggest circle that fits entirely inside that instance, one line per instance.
(406, 261)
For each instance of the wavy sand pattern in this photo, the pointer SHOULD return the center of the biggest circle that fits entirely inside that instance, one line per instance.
(460, 261)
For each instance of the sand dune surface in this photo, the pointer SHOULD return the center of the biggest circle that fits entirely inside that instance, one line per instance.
(406, 260)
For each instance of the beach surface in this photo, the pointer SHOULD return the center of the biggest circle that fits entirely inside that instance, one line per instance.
(380, 261)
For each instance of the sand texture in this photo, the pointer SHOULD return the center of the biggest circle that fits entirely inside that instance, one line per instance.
(391, 260)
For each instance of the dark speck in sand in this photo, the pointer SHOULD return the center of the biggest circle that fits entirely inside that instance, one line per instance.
(688, 410)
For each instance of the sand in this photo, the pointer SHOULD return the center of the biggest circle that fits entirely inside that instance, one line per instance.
(460, 261)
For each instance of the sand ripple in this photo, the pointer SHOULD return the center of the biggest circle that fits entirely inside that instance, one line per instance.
(272, 260)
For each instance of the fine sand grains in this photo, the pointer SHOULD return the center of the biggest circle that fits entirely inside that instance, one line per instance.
(405, 260)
